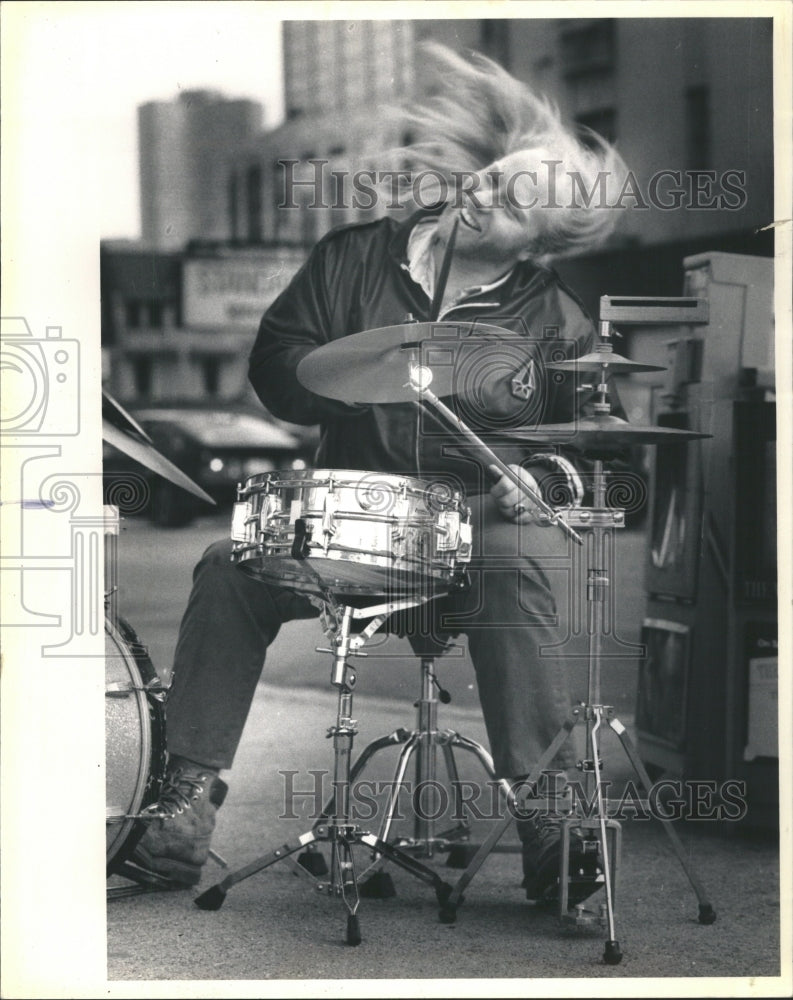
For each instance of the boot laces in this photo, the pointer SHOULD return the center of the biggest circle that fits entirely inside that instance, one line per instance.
(179, 791)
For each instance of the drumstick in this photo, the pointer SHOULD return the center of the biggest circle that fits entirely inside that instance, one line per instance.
(437, 299)
(488, 456)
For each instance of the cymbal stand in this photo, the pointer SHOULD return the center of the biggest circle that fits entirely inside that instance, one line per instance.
(598, 521)
(340, 830)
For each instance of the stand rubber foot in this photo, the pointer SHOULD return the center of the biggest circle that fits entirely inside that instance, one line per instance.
(447, 914)
(212, 899)
(313, 862)
(612, 954)
(460, 855)
(353, 929)
(379, 885)
(442, 892)
(707, 915)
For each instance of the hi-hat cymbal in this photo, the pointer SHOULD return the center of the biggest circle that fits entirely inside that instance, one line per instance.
(374, 366)
(602, 432)
(615, 363)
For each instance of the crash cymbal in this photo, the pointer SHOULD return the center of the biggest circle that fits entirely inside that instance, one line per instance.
(602, 432)
(374, 366)
(143, 451)
(615, 363)
(114, 413)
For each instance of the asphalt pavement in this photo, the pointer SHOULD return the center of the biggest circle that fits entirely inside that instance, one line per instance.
(276, 934)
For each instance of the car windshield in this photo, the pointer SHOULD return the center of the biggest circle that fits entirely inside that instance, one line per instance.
(219, 428)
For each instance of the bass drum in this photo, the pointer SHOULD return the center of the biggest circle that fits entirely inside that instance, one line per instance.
(134, 738)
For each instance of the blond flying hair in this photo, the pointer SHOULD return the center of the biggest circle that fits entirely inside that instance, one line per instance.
(478, 113)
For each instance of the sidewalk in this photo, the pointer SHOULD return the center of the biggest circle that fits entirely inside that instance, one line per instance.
(275, 926)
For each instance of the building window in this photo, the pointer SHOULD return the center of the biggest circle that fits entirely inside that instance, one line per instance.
(233, 206)
(601, 120)
(155, 315)
(210, 370)
(142, 375)
(589, 48)
(253, 182)
(698, 152)
(132, 314)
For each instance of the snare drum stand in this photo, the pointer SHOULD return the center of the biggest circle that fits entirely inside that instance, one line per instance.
(424, 742)
(598, 523)
(340, 831)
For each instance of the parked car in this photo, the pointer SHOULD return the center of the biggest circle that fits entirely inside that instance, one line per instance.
(217, 446)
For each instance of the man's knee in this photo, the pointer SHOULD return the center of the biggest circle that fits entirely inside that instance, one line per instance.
(216, 559)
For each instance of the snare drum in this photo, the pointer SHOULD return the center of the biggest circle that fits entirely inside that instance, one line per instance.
(134, 738)
(351, 532)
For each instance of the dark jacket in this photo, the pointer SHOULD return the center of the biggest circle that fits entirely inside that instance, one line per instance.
(356, 279)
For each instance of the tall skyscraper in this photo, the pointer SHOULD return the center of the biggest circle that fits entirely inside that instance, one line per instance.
(185, 146)
(332, 66)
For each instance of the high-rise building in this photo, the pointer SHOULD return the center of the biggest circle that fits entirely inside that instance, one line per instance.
(339, 77)
(345, 66)
(185, 147)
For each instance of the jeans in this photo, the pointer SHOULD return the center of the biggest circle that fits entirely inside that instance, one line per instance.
(509, 614)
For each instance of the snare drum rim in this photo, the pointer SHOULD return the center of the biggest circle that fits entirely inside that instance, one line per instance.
(351, 478)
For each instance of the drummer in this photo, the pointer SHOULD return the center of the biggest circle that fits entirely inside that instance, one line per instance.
(367, 276)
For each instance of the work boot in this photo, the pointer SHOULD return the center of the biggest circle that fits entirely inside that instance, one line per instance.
(541, 837)
(180, 824)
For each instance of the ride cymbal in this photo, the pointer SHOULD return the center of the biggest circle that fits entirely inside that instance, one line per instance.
(374, 366)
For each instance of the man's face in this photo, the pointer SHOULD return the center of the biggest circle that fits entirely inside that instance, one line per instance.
(498, 212)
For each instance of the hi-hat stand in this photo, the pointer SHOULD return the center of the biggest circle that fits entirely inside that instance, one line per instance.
(339, 830)
(597, 523)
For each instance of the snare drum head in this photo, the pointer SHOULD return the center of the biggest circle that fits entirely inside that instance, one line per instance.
(134, 737)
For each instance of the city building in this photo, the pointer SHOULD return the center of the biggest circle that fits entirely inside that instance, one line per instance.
(342, 79)
(185, 146)
(180, 325)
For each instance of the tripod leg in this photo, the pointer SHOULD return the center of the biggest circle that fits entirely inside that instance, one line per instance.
(393, 798)
(707, 914)
(461, 854)
(410, 864)
(464, 743)
(448, 912)
(213, 898)
(394, 739)
(612, 954)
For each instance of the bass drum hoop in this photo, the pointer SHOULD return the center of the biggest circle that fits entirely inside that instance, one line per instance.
(148, 692)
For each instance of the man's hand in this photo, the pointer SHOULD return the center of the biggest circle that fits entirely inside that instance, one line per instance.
(512, 503)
